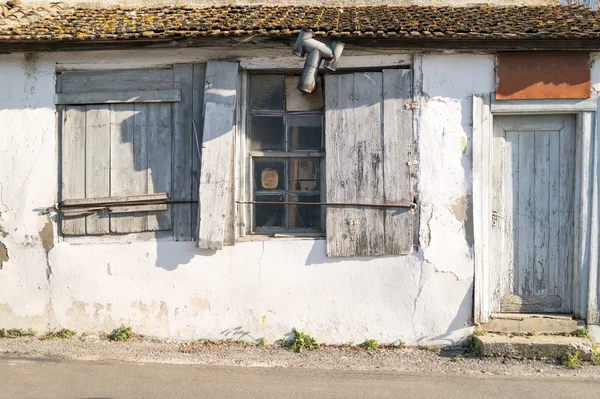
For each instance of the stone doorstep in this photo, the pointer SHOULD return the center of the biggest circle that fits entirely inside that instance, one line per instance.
(535, 347)
(527, 323)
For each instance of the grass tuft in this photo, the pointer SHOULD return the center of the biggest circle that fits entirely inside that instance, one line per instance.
(16, 333)
(370, 344)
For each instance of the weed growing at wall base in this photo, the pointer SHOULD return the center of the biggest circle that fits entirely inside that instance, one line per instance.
(121, 334)
(302, 341)
(370, 344)
(65, 333)
(16, 333)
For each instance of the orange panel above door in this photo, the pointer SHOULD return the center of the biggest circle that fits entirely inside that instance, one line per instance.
(543, 75)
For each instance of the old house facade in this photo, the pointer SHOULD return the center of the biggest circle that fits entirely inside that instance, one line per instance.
(161, 169)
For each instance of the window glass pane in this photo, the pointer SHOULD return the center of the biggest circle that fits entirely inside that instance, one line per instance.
(269, 215)
(267, 92)
(304, 174)
(305, 132)
(305, 216)
(266, 133)
(269, 173)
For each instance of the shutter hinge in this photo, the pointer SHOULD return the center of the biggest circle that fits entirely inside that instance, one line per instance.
(411, 106)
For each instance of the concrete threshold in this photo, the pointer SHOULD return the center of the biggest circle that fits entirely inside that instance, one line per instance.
(533, 347)
(521, 323)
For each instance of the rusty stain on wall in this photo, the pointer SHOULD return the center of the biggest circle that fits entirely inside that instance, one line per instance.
(3, 254)
(543, 75)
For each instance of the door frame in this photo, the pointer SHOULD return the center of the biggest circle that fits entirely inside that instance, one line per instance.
(586, 215)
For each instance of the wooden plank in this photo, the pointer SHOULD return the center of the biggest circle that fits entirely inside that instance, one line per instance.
(122, 165)
(109, 200)
(526, 214)
(159, 161)
(397, 158)
(353, 164)
(73, 164)
(97, 167)
(520, 107)
(117, 80)
(482, 177)
(198, 118)
(593, 313)
(116, 97)
(215, 176)
(540, 204)
(512, 209)
(217, 208)
(501, 226)
(183, 145)
(221, 82)
(531, 304)
(566, 214)
(140, 163)
(584, 209)
(115, 209)
(554, 206)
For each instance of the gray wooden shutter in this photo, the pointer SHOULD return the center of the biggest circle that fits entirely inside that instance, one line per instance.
(121, 144)
(217, 153)
(368, 134)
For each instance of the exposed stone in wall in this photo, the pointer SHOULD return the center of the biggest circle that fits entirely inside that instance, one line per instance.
(3, 254)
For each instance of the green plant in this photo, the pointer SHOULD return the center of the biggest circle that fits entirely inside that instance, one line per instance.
(474, 348)
(302, 341)
(426, 347)
(571, 360)
(121, 334)
(65, 333)
(399, 344)
(457, 358)
(582, 333)
(370, 344)
(479, 333)
(16, 333)
(595, 354)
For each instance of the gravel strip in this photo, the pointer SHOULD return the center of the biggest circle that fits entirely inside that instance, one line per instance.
(146, 350)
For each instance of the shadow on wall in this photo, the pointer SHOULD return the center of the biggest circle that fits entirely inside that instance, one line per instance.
(463, 319)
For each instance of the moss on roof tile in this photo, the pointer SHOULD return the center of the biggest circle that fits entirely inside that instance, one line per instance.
(417, 22)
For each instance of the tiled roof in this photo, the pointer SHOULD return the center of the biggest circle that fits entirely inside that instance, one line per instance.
(12, 16)
(415, 22)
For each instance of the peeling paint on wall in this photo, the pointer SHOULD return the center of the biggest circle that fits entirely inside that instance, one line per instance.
(463, 210)
(3, 254)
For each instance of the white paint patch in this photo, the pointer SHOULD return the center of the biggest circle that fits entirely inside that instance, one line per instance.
(253, 290)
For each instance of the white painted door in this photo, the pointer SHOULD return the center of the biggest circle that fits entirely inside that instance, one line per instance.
(533, 177)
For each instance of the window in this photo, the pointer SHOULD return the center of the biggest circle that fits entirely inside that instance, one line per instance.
(287, 158)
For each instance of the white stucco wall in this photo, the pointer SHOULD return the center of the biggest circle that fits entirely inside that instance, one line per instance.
(253, 290)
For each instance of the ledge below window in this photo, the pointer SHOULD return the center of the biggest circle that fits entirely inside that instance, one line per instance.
(281, 236)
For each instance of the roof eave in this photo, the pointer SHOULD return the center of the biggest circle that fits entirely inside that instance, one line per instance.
(429, 44)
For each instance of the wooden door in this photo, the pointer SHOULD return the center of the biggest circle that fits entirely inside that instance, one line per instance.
(533, 175)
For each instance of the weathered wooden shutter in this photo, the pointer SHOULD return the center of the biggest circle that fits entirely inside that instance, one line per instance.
(127, 137)
(369, 141)
(217, 153)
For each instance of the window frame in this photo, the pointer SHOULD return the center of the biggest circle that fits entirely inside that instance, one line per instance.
(245, 176)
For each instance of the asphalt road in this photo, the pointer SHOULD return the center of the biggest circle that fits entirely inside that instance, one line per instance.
(69, 379)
